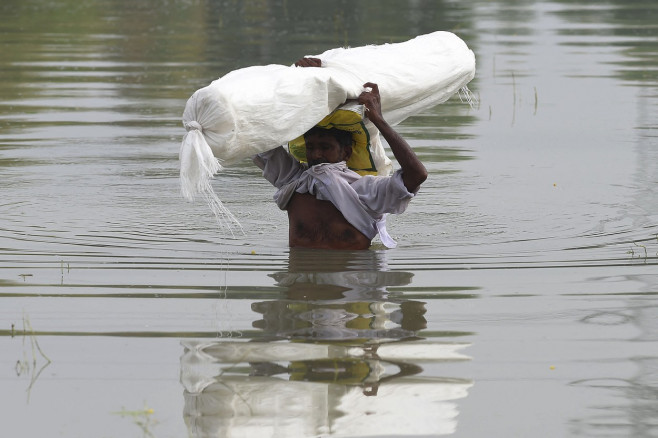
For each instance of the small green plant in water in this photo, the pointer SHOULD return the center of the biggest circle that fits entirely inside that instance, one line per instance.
(143, 418)
(632, 252)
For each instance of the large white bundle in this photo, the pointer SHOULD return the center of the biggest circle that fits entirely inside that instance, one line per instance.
(255, 109)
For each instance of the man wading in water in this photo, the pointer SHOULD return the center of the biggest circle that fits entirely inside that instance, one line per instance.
(330, 206)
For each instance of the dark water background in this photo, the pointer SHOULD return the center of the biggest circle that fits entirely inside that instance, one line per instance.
(521, 300)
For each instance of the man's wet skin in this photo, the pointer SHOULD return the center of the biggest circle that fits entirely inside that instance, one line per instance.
(318, 224)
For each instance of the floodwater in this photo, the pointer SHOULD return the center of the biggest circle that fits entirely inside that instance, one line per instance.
(521, 300)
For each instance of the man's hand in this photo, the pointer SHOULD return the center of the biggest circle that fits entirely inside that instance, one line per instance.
(309, 62)
(372, 101)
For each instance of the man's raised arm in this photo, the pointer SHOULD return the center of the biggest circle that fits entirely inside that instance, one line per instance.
(413, 170)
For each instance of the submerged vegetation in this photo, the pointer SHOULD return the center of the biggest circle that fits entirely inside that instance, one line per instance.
(640, 251)
(143, 418)
(29, 364)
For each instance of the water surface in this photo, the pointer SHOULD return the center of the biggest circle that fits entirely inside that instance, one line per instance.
(521, 300)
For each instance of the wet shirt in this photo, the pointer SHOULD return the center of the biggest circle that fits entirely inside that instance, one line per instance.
(363, 201)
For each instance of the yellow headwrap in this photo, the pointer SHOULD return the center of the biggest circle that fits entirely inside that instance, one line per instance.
(348, 117)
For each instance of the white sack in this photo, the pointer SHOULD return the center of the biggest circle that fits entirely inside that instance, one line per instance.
(256, 109)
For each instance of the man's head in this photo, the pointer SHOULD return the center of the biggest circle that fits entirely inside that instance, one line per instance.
(327, 145)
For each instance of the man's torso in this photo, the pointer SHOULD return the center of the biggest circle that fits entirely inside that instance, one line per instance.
(319, 224)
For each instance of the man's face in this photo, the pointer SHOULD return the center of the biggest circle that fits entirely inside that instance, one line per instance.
(324, 149)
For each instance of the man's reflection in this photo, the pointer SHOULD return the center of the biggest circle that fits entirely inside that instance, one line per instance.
(337, 348)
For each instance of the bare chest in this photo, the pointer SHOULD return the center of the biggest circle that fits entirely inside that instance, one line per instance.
(319, 224)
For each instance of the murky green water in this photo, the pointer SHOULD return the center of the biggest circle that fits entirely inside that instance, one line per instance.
(521, 300)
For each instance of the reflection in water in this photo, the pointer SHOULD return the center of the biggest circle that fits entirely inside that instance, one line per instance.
(635, 403)
(340, 356)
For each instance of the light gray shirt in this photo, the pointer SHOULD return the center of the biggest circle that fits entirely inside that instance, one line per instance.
(363, 201)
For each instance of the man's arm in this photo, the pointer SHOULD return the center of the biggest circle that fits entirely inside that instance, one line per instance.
(413, 171)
